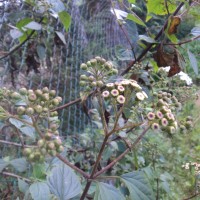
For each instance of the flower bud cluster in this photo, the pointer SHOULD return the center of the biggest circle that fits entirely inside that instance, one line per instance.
(98, 70)
(38, 102)
(186, 125)
(162, 117)
(191, 165)
(120, 90)
(48, 145)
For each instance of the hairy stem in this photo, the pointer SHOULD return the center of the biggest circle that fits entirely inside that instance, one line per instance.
(15, 176)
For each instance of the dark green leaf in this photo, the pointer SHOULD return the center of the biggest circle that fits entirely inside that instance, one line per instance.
(19, 164)
(133, 17)
(40, 191)
(22, 185)
(63, 182)
(193, 62)
(22, 23)
(65, 19)
(138, 186)
(105, 191)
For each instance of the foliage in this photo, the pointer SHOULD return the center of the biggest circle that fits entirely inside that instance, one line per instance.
(140, 138)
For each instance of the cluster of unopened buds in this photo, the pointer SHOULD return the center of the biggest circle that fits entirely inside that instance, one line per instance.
(36, 102)
(191, 165)
(124, 89)
(98, 70)
(162, 116)
(187, 124)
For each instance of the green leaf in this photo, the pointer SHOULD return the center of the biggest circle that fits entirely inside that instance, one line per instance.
(105, 191)
(24, 128)
(56, 5)
(41, 51)
(39, 171)
(65, 19)
(63, 182)
(158, 7)
(123, 54)
(20, 24)
(22, 185)
(15, 33)
(33, 26)
(40, 191)
(20, 164)
(3, 164)
(61, 36)
(138, 186)
(133, 17)
(131, 1)
(193, 62)
(146, 39)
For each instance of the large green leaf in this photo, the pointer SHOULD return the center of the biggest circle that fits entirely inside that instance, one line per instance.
(24, 128)
(133, 17)
(20, 164)
(40, 191)
(65, 19)
(56, 5)
(123, 54)
(138, 186)
(39, 171)
(3, 164)
(63, 182)
(33, 26)
(105, 191)
(22, 185)
(158, 7)
(193, 62)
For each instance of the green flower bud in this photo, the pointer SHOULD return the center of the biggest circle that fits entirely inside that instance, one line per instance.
(45, 110)
(94, 84)
(32, 97)
(45, 89)
(38, 93)
(52, 93)
(91, 78)
(89, 64)
(31, 157)
(45, 97)
(43, 151)
(55, 102)
(60, 149)
(83, 77)
(82, 83)
(38, 109)
(15, 95)
(21, 110)
(41, 143)
(51, 145)
(115, 71)
(99, 83)
(189, 118)
(93, 62)
(53, 126)
(29, 111)
(52, 152)
(48, 136)
(57, 142)
(83, 66)
(23, 91)
(59, 99)
(27, 151)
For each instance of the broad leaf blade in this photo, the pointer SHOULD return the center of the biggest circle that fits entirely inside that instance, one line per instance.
(193, 62)
(25, 129)
(23, 186)
(34, 26)
(3, 164)
(63, 182)
(40, 191)
(133, 17)
(65, 19)
(19, 164)
(138, 186)
(105, 191)
(61, 36)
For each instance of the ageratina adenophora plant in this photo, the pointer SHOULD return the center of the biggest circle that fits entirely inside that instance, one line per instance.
(122, 115)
